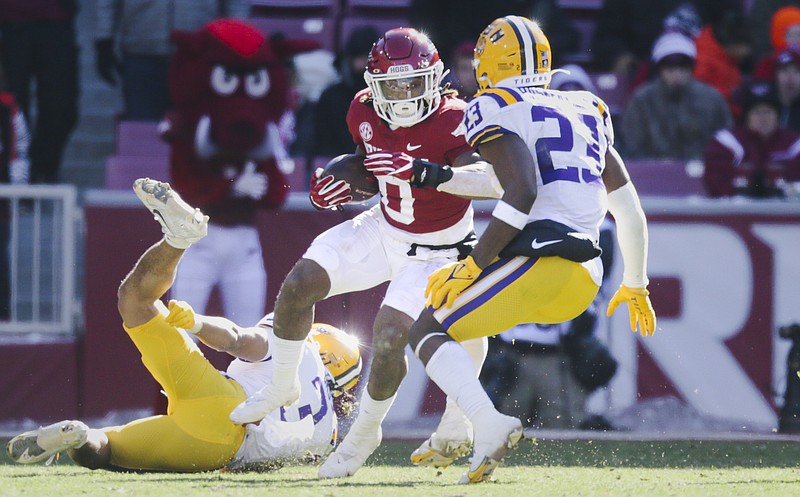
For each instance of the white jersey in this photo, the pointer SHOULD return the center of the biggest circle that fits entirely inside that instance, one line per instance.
(568, 135)
(290, 433)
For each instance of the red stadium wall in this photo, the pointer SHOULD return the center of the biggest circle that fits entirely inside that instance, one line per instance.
(40, 380)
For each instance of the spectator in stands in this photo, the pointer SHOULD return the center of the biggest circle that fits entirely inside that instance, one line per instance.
(142, 32)
(39, 49)
(462, 74)
(784, 33)
(760, 18)
(15, 170)
(787, 83)
(723, 53)
(685, 20)
(331, 136)
(674, 116)
(452, 22)
(574, 79)
(757, 158)
(311, 73)
(627, 29)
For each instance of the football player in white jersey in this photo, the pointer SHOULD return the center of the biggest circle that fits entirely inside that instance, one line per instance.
(196, 433)
(537, 261)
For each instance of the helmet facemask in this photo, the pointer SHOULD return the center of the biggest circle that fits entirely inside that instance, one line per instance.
(405, 96)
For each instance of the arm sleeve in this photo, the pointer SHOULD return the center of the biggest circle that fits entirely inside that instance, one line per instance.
(473, 183)
(624, 205)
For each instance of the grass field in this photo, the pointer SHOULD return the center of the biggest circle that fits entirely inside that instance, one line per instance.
(544, 468)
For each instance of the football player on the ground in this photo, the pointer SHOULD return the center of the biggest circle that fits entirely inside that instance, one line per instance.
(196, 434)
(420, 224)
(553, 154)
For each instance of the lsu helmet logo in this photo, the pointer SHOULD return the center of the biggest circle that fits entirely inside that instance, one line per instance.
(511, 47)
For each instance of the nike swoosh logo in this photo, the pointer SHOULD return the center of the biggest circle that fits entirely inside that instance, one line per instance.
(411, 147)
(453, 274)
(157, 213)
(535, 244)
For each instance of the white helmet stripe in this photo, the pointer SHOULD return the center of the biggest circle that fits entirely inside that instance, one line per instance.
(527, 43)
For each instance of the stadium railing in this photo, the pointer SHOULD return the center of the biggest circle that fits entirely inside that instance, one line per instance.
(42, 223)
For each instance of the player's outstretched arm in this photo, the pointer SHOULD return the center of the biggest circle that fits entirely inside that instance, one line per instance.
(473, 178)
(632, 236)
(469, 176)
(219, 333)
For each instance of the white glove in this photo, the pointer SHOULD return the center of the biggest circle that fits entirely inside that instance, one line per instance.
(250, 183)
(19, 172)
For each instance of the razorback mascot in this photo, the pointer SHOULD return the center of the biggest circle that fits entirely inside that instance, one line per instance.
(229, 90)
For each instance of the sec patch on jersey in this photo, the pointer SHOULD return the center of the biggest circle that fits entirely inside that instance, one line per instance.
(350, 168)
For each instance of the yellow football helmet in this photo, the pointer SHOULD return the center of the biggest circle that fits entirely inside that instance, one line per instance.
(340, 354)
(514, 50)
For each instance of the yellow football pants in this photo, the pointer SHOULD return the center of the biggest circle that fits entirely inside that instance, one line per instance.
(196, 434)
(519, 290)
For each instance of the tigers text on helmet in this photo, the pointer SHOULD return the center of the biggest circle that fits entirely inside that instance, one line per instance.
(404, 73)
(340, 354)
(514, 51)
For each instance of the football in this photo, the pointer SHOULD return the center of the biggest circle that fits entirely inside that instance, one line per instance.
(350, 167)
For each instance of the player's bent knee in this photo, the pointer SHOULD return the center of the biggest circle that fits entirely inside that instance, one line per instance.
(421, 327)
(389, 339)
(306, 284)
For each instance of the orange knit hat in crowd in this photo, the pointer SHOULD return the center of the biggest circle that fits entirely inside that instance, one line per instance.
(782, 20)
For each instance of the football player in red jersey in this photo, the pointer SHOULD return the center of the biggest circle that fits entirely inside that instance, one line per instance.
(423, 221)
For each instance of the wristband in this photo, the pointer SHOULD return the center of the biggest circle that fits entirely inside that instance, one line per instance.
(510, 215)
(198, 325)
(429, 174)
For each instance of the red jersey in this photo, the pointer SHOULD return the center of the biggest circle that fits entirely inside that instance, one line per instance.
(739, 161)
(439, 139)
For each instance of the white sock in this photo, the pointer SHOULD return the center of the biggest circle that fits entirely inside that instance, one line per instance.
(371, 412)
(477, 348)
(286, 361)
(452, 370)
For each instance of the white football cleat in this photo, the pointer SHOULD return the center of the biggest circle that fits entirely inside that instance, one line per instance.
(451, 440)
(263, 402)
(439, 452)
(351, 454)
(495, 435)
(37, 445)
(181, 223)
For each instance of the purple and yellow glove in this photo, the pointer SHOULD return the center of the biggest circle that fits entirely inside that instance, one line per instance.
(447, 282)
(181, 315)
(640, 309)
